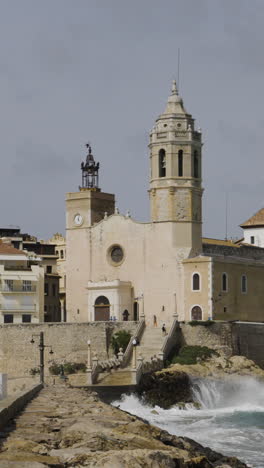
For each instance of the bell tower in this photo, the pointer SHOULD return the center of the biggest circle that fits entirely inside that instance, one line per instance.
(176, 171)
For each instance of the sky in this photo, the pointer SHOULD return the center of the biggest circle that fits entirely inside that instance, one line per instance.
(100, 71)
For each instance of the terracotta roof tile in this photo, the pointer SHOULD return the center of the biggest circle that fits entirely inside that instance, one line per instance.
(256, 220)
(8, 249)
(207, 240)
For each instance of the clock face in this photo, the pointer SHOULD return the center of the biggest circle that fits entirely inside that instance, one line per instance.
(78, 220)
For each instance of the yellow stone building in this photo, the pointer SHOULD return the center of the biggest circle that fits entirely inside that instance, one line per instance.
(118, 268)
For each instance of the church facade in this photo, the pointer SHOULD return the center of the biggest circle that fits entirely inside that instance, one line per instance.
(121, 269)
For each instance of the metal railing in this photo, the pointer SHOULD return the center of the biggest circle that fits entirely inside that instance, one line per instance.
(18, 308)
(18, 289)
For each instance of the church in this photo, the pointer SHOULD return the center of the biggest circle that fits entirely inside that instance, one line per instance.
(120, 269)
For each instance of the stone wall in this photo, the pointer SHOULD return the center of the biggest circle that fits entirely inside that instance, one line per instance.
(68, 341)
(248, 340)
(218, 335)
(236, 338)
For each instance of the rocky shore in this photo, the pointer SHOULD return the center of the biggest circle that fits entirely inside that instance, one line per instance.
(172, 385)
(66, 427)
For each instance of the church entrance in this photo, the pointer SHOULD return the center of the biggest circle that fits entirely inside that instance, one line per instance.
(196, 313)
(101, 309)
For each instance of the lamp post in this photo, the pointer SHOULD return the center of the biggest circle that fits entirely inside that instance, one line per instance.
(41, 346)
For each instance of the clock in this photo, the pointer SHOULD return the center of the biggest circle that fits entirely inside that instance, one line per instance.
(78, 219)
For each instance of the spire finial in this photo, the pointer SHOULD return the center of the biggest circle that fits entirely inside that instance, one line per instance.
(174, 89)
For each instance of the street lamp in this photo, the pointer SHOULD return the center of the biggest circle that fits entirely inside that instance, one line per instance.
(41, 346)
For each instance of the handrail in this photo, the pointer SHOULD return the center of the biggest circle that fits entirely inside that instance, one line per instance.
(169, 341)
(138, 333)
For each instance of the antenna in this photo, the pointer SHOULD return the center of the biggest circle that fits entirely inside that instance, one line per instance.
(178, 78)
(226, 214)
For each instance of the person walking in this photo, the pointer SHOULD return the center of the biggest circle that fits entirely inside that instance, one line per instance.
(155, 323)
(163, 328)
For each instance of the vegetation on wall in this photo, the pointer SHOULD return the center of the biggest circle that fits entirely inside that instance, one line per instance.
(67, 368)
(189, 354)
(120, 340)
(202, 323)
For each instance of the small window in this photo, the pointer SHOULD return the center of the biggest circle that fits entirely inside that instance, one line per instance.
(196, 282)
(26, 285)
(26, 318)
(57, 252)
(54, 289)
(8, 318)
(49, 269)
(180, 163)
(45, 308)
(225, 309)
(224, 282)
(252, 239)
(195, 165)
(61, 254)
(9, 285)
(46, 289)
(162, 163)
(244, 284)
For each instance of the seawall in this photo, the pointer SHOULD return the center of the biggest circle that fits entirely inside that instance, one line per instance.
(68, 341)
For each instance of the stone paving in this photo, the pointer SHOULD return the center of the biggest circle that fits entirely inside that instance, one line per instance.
(70, 427)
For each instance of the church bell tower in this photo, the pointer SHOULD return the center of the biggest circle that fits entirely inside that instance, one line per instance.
(176, 171)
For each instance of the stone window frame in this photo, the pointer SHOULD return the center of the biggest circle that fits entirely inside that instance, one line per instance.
(109, 257)
(200, 282)
(222, 284)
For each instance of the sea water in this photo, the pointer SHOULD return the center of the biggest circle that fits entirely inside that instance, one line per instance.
(230, 419)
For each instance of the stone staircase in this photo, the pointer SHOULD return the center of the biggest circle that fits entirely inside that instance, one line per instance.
(151, 343)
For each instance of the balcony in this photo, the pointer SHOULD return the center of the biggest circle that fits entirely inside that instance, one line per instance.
(18, 289)
(17, 308)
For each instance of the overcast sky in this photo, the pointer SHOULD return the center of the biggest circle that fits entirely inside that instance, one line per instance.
(73, 71)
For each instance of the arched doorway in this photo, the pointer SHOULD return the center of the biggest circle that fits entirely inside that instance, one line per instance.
(101, 309)
(125, 315)
(196, 313)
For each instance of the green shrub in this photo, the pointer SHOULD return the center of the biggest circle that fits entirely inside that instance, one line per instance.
(34, 371)
(68, 368)
(55, 369)
(202, 323)
(120, 340)
(189, 354)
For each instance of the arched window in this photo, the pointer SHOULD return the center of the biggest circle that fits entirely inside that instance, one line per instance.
(224, 282)
(180, 163)
(243, 284)
(195, 165)
(196, 313)
(162, 163)
(196, 282)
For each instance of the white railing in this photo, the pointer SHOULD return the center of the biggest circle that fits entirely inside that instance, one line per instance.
(170, 340)
(143, 367)
(128, 352)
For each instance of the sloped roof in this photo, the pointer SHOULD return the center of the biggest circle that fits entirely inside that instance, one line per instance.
(8, 249)
(208, 240)
(256, 220)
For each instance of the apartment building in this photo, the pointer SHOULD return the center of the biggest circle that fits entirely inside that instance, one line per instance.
(21, 286)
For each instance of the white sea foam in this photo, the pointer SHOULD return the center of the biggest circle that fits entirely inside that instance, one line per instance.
(231, 418)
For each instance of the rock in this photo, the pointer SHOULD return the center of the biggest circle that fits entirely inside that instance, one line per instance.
(154, 412)
(165, 388)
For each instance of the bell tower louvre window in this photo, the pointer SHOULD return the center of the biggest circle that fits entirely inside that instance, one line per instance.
(180, 163)
(162, 163)
(195, 165)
